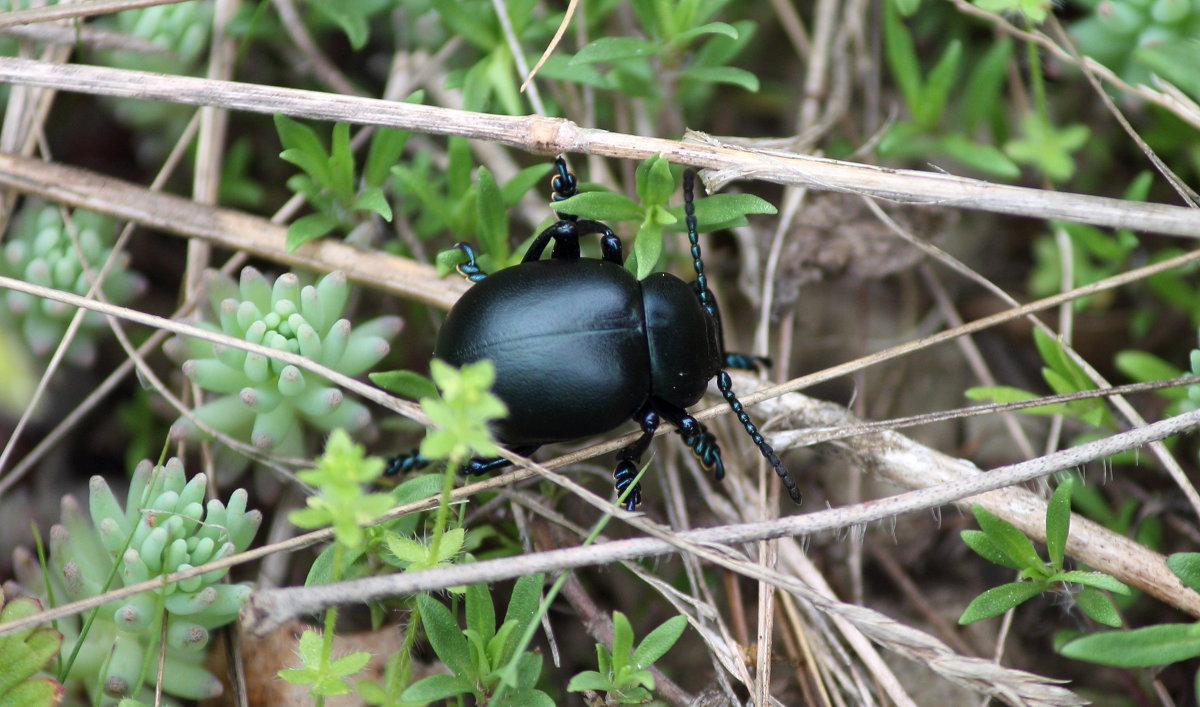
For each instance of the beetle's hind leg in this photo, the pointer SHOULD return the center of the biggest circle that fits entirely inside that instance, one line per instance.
(405, 463)
(469, 269)
(726, 387)
(627, 458)
(696, 436)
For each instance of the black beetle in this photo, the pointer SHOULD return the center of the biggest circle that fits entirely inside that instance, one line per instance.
(580, 346)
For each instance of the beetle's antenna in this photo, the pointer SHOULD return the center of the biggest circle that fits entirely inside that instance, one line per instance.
(726, 387)
(689, 211)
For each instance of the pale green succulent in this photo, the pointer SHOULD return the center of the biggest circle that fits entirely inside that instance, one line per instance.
(40, 252)
(266, 402)
(164, 526)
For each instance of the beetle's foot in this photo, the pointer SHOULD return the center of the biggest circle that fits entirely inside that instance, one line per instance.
(469, 269)
(405, 463)
(476, 467)
(623, 476)
(746, 362)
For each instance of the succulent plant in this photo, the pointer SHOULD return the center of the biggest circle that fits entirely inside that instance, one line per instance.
(263, 400)
(164, 527)
(1138, 37)
(41, 252)
(23, 654)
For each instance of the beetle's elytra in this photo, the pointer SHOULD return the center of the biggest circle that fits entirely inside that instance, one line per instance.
(580, 346)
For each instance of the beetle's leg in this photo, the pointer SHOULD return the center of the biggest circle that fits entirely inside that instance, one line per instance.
(610, 245)
(726, 387)
(746, 362)
(696, 436)
(476, 467)
(404, 463)
(469, 269)
(561, 231)
(628, 457)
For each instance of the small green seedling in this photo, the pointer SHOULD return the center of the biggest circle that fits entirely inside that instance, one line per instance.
(623, 672)
(1000, 542)
(478, 655)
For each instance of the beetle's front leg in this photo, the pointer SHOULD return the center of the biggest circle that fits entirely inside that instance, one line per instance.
(610, 244)
(698, 439)
(469, 269)
(627, 458)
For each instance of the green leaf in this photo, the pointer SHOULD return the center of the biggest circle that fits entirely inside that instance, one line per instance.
(386, 147)
(614, 49)
(372, 199)
(985, 85)
(908, 7)
(341, 163)
(589, 680)
(1098, 607)
(407, 384)
(998, 600)
(622, 642)
(1186, 566)
(1144, 367)
(1007, 538)
(1140, 648)
(986, 158)
(659, 641)
(1098, 580)
(683, 38)
(656, 184)
(407, 549)
(436, 687)
(713, 212)
(308, 228)
(600, 206)
(349, 664)
(1058, 522)
(521, 182)
(348, 18)
(523, 606)
(937, 87)
(902, 57)
(481, 615)
(491, 214)
(647, 248)
(445, 636)
(978, 541)
(723, 74)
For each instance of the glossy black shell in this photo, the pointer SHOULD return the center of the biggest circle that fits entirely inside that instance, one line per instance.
(579, 345)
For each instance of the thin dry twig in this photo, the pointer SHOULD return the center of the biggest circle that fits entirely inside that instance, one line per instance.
(555, 135)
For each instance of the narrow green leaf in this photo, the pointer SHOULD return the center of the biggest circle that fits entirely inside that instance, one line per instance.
(491, 214)
(296, 135)
(341, 162)
(622, 641)
(1007, 538)
(1058, 522)
(308, 228)
(521, 182)
(978, 541)
(481, 615)
(901, 57)
(647, 247)
(614, 49)
(659, 641)
(600, 206)
(998, 600)
(723, 74)
(349, 664)
(1098, 607)
(445, 636)
(713, 211)
(1144, 367)
(658, 185)
(386, 147)
(683, 38)
(351, 20)
(1098, 580)
(408, 384)
(985, 84)
(986, 158)
(436, 687)
(522, 607)
(372, 199)
(1140, 648)
(937, 87)
(1186, 566)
